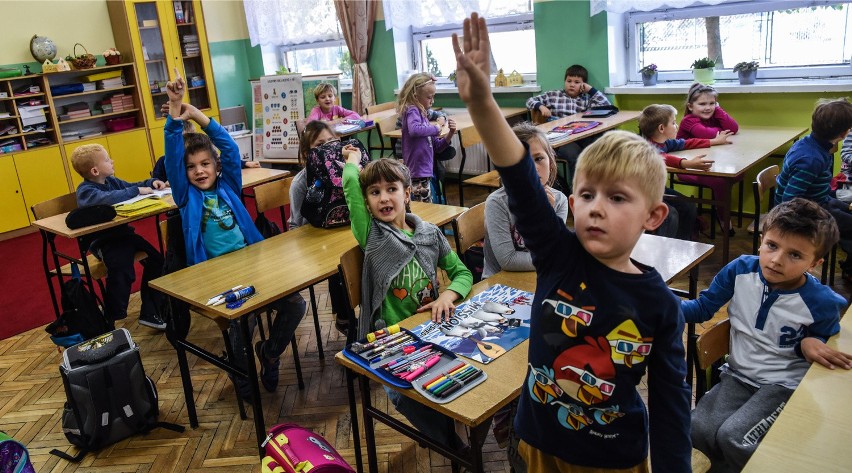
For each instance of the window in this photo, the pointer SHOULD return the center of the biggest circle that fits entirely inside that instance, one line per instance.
(789, 39)
(327, 56)
(512, 46)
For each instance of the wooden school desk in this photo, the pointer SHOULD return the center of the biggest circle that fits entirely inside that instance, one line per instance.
(55, 225)
(276, 267)
(476, 407)
(749, 147)
(492, 180)
(812, 432)
(468, 135)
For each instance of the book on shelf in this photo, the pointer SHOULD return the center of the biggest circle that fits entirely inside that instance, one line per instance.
(178, 7)
(76, 106)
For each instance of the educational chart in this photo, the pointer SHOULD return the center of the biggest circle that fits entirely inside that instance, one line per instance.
(483, 328)
(282, 104)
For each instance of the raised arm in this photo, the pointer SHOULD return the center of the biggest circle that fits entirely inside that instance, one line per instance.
(358, 213)
(473, 68)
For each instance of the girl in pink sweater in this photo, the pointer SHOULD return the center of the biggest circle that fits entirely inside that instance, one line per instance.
(326, 109)
(704, 118)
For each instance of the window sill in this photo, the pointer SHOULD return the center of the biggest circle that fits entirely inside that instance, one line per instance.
(733, 87)
(526, 88)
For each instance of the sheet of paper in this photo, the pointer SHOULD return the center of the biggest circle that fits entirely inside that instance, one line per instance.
(156, 195)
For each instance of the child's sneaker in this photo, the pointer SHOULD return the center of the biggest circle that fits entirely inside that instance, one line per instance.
(268, 368)
(152, 320)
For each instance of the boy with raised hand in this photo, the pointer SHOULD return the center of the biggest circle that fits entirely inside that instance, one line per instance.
(599, 319)
(781, 317)
(117, 246)
(206, 186)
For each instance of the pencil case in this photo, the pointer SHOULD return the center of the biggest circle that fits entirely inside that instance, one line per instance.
(448, 379)
(419, 352)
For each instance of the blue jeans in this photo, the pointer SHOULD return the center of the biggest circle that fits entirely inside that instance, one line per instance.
(430, 423)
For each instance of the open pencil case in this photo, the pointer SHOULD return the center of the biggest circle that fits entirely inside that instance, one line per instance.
(398, 365)
(448, 379)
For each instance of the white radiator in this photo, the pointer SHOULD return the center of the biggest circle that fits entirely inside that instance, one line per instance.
(476, 162)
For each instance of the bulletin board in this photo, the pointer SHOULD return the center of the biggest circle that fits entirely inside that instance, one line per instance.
(309, 82)
(281, 104)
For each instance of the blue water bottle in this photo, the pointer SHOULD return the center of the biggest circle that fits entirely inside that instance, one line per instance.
(314, 194)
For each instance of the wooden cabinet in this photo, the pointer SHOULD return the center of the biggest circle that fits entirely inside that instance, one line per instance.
(12, 206)
(41, 175)
(164, 35)
(131, 154)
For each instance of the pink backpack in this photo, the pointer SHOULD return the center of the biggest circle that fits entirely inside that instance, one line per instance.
(295, 449)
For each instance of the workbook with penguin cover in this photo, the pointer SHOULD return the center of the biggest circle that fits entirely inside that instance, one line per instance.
(484, 327)
(571, 128)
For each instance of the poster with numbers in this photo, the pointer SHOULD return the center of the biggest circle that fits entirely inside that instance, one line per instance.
(281, 104)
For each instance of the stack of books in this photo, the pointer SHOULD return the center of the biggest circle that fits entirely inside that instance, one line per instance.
(110, 83)
(117, 103)
(88, 87)
(190, 45)
(76, 110)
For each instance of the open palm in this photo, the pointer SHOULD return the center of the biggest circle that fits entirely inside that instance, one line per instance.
(473, 65)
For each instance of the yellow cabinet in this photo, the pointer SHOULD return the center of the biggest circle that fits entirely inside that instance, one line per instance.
(131, 154)
(76, 179)
(164, 35)
(41, 174)
(12, 207)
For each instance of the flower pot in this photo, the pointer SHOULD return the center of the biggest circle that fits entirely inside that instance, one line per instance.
(747, 77)
(112, 60)
(704, 76)
(649, 80)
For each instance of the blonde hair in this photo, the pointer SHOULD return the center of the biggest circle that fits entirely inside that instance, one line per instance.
(408, 93)
(322, 88)
(653, 116)
(620, 155)
(527, 132)
(695, 91)
(83, 159)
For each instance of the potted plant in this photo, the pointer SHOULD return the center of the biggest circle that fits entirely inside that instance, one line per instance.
(702, 70)
(747, 71)
(112, 56)
(649, 75)
(452, 78)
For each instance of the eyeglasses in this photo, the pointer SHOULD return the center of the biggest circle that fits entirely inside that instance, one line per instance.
(573, 409)
(605, 386)
(566, 310)
(543, 380)
(626, 347)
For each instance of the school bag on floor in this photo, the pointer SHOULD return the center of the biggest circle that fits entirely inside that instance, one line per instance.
(14, 457)
(325, 205)
(109, 398)
(81, 317)
(291, 448)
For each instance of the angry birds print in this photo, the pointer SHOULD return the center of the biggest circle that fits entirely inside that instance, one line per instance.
(542, 386)
(628, 346)
(572, 416)
(573, 318)
(583, 371)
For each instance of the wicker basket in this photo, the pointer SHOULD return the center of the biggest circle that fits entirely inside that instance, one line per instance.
(82, 61)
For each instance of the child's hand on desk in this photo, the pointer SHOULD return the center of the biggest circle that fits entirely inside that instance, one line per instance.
(145, 191)
(815, 350)
(473, 65)
(441, 121)
(452, 125)
(721, 138)
(252, 164)
(352, 155)
(158, 184)
(545, 112)
(701, 162)
(442, 307)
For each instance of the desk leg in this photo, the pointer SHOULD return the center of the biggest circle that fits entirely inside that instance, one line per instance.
(251, 374)
(47, 242)
(476, 437)
(725, 220)
(185, 377)
(353, 415)
(369, 433)
(691, 338)
(317, 329)
(85, 263)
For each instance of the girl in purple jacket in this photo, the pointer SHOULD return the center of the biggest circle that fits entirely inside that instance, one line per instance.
(420, 138)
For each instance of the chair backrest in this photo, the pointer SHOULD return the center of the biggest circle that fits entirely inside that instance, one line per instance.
(765, 181)
(350, 268)
(163, 226)
(384, 126)
(537, 117)
(380, 107)
(713, 344)
(55, 206)
(275, 194)
(469, 227)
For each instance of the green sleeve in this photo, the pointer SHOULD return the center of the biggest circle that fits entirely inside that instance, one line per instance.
(358, 214)
(460, 277)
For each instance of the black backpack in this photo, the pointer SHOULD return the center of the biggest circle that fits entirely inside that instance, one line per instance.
(266, 227)
(109, 397)
(325, 205)
(81, 317)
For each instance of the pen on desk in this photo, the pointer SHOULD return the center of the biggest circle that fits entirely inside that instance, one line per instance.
(451, 379)
(215, 300)
(458, 386)
(436, 378)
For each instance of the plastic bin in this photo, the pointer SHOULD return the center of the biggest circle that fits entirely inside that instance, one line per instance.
(120, 124)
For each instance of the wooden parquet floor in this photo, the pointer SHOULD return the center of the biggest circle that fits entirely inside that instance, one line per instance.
(32, 396)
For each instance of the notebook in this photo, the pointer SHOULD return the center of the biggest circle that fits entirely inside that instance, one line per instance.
(569, 128)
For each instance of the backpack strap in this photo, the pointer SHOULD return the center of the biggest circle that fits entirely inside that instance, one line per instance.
(75, 459)
(123, 404)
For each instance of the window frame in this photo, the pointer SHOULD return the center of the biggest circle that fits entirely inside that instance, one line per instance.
(519, 22)
(631, 38)
(281, 54)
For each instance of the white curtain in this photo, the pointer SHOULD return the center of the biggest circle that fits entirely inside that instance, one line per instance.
(419, 13)
(621, 6)
(286, 22)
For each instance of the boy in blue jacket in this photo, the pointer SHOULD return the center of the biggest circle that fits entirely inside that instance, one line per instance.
(599, 320)
(117, 246)
(206, 187)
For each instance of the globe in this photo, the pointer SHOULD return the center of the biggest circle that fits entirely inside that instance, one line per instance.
(42, 48)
